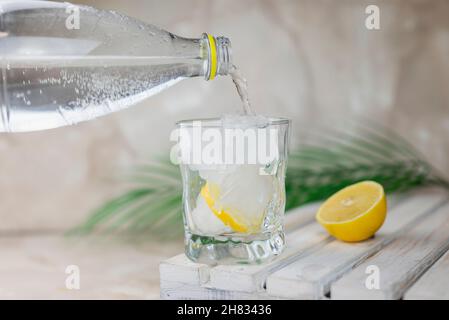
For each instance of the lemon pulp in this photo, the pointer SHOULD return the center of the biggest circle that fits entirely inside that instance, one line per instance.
(210, 192)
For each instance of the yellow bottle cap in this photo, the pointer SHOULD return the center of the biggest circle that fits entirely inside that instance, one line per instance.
(213, 57)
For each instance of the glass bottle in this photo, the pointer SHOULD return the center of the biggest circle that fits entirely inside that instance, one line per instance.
(62, 63)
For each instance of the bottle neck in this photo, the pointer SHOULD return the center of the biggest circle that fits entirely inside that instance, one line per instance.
(216, 52)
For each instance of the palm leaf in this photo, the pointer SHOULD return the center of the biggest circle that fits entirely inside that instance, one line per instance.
(329, 160)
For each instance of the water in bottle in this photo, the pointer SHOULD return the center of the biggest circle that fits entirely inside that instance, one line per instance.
(55, 72)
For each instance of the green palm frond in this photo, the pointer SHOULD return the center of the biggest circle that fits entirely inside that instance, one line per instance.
(337, 158)
(329, 160)
(154, 204)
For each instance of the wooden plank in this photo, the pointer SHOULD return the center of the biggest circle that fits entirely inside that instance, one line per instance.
(180, 291)
(252, 278)
(192, 272)
(401, 262)
(311, 276)
(299, 244)
(180, 271)
(434, 284)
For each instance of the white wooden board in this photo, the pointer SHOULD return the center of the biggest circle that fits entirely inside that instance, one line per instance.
(434, 284)
(399, 264)
(313, 262)
(311, 276)
(252, 278)
(180, 291)
(300, 243)
(179, 273)
(182, 270)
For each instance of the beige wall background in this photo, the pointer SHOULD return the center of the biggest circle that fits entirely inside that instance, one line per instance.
(304, 59)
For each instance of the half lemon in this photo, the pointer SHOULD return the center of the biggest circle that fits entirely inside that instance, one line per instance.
(354, 213)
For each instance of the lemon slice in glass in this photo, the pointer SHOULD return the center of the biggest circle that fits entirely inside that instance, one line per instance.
(210, 192)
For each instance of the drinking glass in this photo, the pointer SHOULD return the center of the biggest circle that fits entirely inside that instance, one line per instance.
(233, 189)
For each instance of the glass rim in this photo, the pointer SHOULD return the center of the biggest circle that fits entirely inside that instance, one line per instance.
(216, 122)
